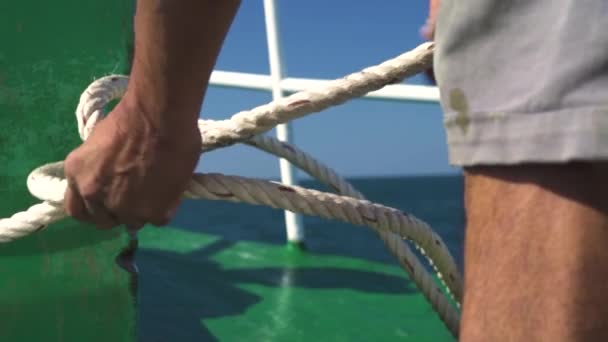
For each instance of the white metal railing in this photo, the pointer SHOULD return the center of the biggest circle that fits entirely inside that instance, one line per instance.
(397, 92)
(279, 84)
(293, 221)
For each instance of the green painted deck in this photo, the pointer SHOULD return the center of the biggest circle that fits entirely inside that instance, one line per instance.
(239, 282)
(216, 290)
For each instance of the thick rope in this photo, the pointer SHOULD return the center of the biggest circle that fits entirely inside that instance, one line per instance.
(292, 198)
(444, 263)
(343, 208)
(48, 184)
(244, 125)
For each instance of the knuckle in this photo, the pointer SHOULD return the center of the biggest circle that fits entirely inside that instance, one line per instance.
(73, 208)
(71, 163)
(89, 190)
(69, 209)
(79, 215)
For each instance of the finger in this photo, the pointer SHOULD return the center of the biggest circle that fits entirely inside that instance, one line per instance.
(427, 31)
(160, 221)
(159, 217)
(434, 6)
(101, 216)
(129, 220)
(134, 228)
(173, 208)
(74, 205)
(170, 213)
(135, 224)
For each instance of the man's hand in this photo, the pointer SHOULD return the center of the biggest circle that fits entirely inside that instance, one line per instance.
(428, 30)
(138, 161)
(129, 171)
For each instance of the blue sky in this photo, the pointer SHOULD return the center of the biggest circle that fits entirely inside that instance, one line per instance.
(329, 39)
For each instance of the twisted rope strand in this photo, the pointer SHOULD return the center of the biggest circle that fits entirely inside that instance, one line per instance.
(384, 220)
(244, 125)
(344, 208)
(438, 254)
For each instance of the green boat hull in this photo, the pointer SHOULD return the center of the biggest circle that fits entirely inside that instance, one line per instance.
(62, 284)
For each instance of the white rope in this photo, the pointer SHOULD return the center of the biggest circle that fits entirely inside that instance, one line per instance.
(296, 199)
(444, 263)
(244, 125)
(394, 242)
(48, 184)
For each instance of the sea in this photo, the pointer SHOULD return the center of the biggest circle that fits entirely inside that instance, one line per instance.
(167, 278)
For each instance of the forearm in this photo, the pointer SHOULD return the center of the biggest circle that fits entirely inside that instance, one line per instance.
(176, 45)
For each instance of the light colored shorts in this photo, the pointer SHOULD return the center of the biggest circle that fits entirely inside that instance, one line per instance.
(523, 80)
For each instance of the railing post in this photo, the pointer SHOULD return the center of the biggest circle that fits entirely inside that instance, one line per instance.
(295, 226)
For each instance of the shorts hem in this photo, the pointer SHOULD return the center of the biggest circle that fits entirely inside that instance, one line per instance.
(565, 135)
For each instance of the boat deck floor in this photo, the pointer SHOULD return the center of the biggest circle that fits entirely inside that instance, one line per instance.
(240, 282)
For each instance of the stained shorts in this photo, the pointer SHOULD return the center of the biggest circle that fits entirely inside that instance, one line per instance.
(523, 81)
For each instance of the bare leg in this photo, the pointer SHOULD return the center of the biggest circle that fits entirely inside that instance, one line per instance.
(536, 253)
